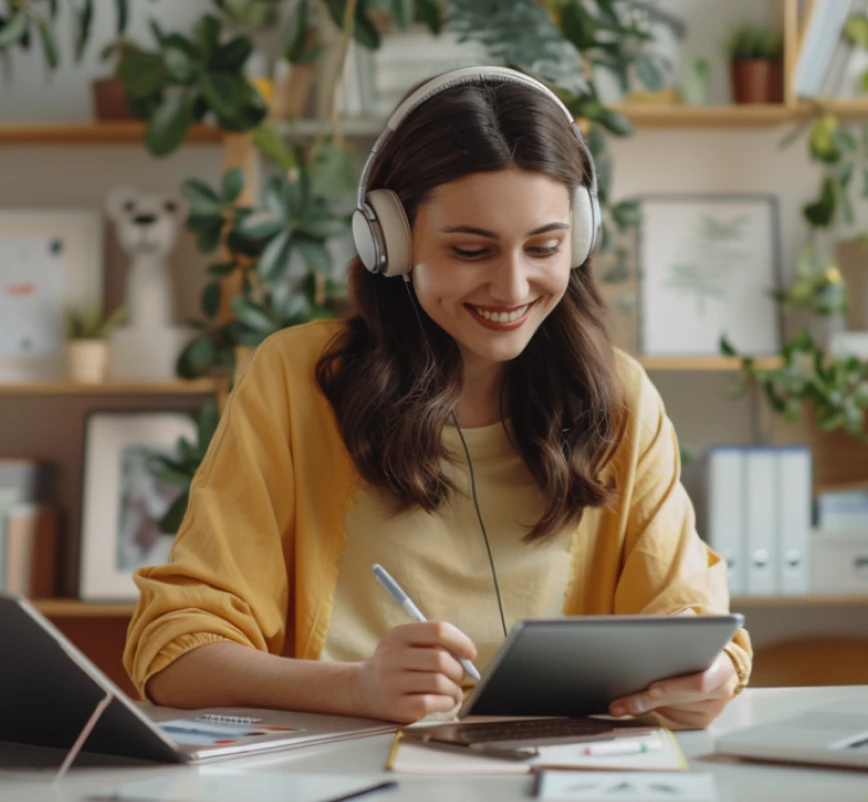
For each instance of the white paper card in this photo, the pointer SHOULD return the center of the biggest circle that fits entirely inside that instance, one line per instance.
(634, 786)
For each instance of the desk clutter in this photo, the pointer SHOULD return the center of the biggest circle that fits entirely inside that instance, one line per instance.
(776, 538)
(647, 749)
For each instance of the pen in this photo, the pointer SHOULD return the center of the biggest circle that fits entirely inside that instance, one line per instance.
(395, 591)
(620, 747)
(391, 785)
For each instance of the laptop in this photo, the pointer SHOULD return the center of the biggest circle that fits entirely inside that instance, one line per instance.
(835, 733)
(49, 690)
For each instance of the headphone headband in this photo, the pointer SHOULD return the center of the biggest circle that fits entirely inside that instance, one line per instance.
(457, 77)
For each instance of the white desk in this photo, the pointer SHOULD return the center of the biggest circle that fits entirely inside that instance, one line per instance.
(736, 781)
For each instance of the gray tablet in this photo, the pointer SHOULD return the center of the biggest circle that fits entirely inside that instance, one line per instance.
(577, 666)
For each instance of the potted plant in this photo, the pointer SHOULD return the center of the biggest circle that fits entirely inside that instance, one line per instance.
(755, 54)
(87, 345)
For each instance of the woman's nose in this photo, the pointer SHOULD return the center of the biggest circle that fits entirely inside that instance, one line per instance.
(509, 281)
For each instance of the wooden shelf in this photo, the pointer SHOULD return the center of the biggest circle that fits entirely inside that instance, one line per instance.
(63, 387)
(75, 608)
(703, 363)
(107, 133)
(825, 600)
(744, 115)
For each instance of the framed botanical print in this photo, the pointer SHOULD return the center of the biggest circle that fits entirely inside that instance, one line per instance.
(708, 265)
(123, 501)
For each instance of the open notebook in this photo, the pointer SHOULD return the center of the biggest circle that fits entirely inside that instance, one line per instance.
(408, 757)
(50, 691)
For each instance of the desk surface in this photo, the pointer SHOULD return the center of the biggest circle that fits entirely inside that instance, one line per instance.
(736, 781)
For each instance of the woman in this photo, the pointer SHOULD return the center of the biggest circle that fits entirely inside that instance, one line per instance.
(471, 429)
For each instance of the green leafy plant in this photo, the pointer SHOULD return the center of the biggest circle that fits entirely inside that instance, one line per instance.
(90, 323)
(180, 471)
(836, 389)
(259, 245)
(748, 42)
(188, 77)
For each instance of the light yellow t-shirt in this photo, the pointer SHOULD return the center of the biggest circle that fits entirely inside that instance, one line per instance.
(440, 559)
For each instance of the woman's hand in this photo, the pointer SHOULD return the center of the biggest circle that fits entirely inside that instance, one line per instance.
(689, 702)
(415, 671)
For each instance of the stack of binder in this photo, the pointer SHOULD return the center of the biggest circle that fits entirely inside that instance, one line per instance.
(759, 517)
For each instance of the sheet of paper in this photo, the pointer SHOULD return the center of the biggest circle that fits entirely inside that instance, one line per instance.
(603, 786)
(199, 732)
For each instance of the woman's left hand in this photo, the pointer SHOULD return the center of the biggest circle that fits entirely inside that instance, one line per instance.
(689, 702)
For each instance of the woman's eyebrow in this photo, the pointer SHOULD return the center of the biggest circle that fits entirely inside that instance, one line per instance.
(484, 232)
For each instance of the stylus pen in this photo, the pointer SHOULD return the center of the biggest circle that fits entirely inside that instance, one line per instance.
(391, 785)
(395, 591)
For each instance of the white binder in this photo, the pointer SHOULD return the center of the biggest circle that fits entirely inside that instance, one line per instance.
(761, 521)
(794, 517)
(726, 511)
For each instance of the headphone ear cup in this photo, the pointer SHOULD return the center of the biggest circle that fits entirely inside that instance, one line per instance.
(586, 217)
(394, 231)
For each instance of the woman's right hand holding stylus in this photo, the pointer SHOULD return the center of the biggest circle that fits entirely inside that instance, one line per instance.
(415, 672)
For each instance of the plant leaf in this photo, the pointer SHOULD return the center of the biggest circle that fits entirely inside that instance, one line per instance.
(206, 424)
(14, 30)
(207, 34)
(275, 258)
(274, 146)
(233, 184)
(233, 54)
(171, 522)
(223, 91)
(143, 74)
(429, 12)
(252, 315)
(170, 123)
(211, 299)
(49, 43)
(122, 12)
(203, 200)
(315, 255)
(168, 469)
(296, 32)
(84, 23)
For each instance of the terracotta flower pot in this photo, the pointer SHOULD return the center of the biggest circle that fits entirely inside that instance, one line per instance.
(751, 80)
(110, 100)
(776, 81)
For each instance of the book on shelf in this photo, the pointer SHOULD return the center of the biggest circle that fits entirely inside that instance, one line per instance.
(28, 528)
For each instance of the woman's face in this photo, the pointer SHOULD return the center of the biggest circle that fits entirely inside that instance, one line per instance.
(492, 259)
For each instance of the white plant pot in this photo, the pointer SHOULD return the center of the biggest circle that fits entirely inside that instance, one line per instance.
(87, 360)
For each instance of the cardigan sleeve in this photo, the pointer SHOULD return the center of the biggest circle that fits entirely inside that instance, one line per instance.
(226, 578)
(667, 568)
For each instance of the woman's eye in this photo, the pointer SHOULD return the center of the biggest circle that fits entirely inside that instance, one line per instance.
(544, 251)
(469, 253)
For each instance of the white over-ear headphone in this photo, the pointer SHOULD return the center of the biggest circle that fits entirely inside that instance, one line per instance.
(381, 230)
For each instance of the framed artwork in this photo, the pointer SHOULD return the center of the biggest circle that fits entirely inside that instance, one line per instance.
(50, 260)
(707, 268)
(123, 501)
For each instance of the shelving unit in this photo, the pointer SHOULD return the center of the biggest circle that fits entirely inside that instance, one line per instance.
(63, 387)
(102, 133)
(74, 608)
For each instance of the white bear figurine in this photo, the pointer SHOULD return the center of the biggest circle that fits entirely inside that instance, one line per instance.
(147, 225)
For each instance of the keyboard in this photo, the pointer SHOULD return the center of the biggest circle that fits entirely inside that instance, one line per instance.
(518, 732)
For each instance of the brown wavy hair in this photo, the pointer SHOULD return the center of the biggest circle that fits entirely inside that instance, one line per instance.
(393, 380)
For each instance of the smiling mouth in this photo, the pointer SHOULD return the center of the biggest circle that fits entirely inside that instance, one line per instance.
(497, 319)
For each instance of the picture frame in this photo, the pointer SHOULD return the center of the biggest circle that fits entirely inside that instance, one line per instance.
(707, 268)
(122, 501)
(50, 260)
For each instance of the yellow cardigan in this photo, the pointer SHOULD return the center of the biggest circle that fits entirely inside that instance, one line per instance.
(256, 558)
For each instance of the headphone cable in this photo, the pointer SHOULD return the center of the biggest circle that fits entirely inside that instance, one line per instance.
(415, 304)
(482, 526)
